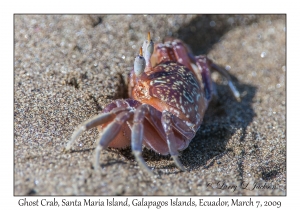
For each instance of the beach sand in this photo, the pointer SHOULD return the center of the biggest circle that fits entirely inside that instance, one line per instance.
(68, 67)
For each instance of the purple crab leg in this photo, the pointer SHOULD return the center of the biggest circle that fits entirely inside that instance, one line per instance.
(224, 73)
(93, 122)
(137, 136)
(201, 62)
(167, 125)
(109, 133)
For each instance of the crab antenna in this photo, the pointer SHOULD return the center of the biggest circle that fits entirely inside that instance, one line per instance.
(139, 64)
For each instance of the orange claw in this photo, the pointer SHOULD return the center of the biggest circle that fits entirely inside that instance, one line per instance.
(149, 37)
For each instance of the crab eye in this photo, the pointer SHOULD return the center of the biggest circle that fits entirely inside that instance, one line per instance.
(139, 64)
(148, 47)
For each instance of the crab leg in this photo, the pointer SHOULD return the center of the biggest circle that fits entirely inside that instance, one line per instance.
(109, 133)
(224, 73)
(181, 53)
(162, 53)
(167, 125)
(202, 64)
(137, 136)
(93, 122)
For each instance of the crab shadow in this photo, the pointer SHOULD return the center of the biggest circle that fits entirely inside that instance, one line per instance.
(222, 120)
(203, 31)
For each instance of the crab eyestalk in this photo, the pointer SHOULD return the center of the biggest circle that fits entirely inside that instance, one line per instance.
(139, 64)
(148, 48)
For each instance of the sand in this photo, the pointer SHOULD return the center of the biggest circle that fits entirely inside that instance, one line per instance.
(68, 67)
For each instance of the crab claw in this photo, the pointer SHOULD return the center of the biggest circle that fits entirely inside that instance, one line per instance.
(148, 48)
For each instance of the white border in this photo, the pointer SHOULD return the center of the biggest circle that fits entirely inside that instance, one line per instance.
(153, 6)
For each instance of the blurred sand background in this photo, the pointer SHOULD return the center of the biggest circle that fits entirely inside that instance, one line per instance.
(67, 67)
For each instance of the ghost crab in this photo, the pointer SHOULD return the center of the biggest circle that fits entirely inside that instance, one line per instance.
(170, 90)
